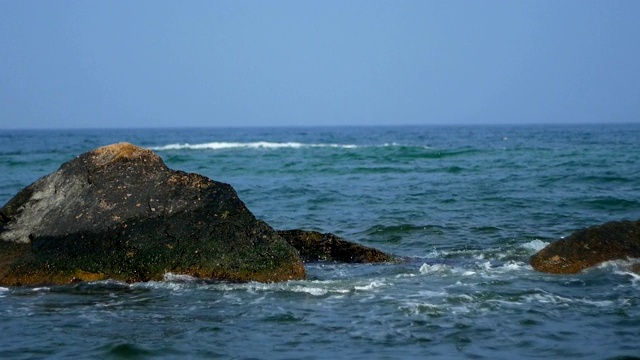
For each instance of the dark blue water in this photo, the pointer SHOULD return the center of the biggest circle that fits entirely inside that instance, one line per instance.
(469, 205)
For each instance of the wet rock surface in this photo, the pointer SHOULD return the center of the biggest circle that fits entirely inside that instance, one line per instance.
(118, 212)
(316, 246)
(617, 240)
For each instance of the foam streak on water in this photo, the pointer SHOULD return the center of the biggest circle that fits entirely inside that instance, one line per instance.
(466, 206)
(250, 145)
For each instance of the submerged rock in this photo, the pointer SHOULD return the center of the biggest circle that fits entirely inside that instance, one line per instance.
(316, 246)
(590, 247)
(119, 212)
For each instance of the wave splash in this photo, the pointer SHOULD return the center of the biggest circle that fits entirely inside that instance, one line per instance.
(248, 145)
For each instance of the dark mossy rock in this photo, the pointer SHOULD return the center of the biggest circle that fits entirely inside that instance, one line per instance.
(316, 246)
(589, 247)
(118, 212)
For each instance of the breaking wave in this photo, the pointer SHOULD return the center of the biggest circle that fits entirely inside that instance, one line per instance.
(249, 145)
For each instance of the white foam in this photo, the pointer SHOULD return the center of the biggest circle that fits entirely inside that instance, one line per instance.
(535, 245)
(400, 276)
(602, 303)
(622, 267)
(488, 270)
(548, 298)
(249, 145)
(435, 268)
(314, 288)
(372, 285)
(504, 302)
(463, 297)
(417, 308)
(635, 278)
(513, 265)
(460, 310)
(432, 294)
(434, 254)
(44, 288)
(484, 269)
(312, 291)
(178, 277)
(619, 263)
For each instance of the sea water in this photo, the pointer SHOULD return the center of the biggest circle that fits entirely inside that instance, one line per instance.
(467, 205)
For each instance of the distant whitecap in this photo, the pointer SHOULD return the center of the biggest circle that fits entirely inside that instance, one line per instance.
(248, 145)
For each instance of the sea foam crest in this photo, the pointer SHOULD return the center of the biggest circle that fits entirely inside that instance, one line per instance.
(535, 245)
(248, 145)
(550, 298)
(435, 268)
(370, 286)
(635, 278)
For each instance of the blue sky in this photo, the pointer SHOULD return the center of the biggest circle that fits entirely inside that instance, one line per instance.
(70, 64)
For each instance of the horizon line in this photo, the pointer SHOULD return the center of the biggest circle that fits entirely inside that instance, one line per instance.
(163, 127)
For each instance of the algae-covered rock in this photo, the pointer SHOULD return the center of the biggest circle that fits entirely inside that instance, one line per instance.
(316, 246)
(589, 247)
(118, 212)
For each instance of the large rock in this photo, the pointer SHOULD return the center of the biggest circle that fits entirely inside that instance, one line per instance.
(118, 212)
(589, 247)
(316, 246)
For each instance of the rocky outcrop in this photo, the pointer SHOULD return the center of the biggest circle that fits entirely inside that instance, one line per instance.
(590, 247)
(316, 246)
(118, 212)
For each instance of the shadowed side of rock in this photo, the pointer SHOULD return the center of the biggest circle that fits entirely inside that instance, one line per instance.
(119, 213)
(589, 247)
(316, 246)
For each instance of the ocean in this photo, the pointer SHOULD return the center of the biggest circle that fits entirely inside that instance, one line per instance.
(467, 205)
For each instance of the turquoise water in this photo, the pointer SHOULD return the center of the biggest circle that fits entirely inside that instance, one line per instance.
(468, 205)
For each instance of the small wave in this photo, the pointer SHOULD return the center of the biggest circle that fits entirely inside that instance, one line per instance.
(419, 308)
(625, 267)
(248, 145)
(549, 298)
(512, 266)
(488, 269)
(484, 269)
(401, 150)
(509, 266)
(635, 278)
(535, 245)
(314, 288)
(619, 263)
(372, 285)
(435, 268)
(44, 288)
(176, 282)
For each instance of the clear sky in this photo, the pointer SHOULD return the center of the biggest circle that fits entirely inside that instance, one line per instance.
(69, 64)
